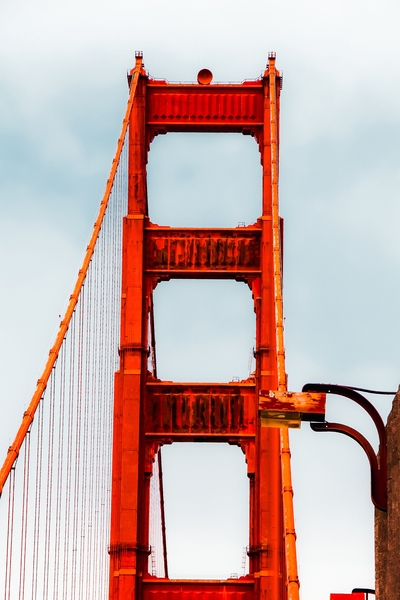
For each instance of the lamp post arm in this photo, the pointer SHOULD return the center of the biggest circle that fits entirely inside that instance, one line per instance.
(378, 462)
(378, 475)
(341, 390)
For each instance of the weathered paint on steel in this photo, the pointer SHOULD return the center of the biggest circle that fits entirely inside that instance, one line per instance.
(307, 404)
(181, 410)
(180, 252)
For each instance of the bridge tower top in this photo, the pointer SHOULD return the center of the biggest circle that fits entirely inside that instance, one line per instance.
(206, 106)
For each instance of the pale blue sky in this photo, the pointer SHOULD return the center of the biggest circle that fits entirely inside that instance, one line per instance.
(62, 98)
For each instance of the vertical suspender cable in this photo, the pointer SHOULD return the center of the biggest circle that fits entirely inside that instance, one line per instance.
(164, 533)
(70, 533)
(160, 471)
(287, 489)
(106, 349)
(65, 524)
(77, 455)
(42, 382)
(153, 337)
(91, 463)
(60, 471)
(49, 491)
(96, 449)
(69, 458)
(37, 508)
(10, 535)
(25, 506)
(83, 557)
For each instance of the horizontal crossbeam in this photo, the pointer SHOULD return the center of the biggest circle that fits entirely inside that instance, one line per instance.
(237, 108)
(212, 253)
(188, 411)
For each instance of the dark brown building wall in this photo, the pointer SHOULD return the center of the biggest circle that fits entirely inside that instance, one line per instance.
(387, 525)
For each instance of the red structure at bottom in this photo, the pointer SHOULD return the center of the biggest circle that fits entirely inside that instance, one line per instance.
(352, 596)
(230, 589)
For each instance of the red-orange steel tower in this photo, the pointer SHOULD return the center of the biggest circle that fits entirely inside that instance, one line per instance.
(150, 412)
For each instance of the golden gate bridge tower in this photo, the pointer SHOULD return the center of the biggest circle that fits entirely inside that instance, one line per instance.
(73, 489)
(149, 412)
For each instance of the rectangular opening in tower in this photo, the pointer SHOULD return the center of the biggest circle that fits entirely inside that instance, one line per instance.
(204, 180)
(204, 330)
(206, 512)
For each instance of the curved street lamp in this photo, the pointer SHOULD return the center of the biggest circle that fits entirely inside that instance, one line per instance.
(378, 462)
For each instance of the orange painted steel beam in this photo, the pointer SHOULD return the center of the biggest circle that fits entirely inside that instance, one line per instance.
(275, 221)
(29, 414)
(233, 108)
(292, 579)
(209, 253)
(267, 556)
(130, 482)
(209, 412)
(296, 406)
